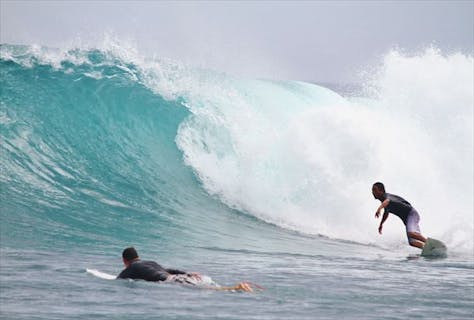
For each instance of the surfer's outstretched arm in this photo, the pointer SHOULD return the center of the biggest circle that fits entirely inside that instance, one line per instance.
(383, 205)
(384, 217)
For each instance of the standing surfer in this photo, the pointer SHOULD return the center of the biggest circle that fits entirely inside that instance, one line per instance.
(400, 207)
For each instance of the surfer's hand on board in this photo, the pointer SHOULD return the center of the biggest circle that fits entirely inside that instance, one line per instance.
(380, 229)
(377, 214)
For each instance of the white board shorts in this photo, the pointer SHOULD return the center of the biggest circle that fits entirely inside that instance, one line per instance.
(412, 225)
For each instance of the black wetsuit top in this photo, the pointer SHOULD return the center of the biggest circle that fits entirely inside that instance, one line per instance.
(147, 270)
(398, 206)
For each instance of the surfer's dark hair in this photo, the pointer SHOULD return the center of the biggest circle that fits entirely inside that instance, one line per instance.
(129, 254)
(379, 186)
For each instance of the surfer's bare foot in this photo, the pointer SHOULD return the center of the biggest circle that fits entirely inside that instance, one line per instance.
(417, 237)
(244, 286)
(417, 244)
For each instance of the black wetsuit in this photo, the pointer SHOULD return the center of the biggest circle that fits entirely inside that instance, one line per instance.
(398, 206)
(147, 270)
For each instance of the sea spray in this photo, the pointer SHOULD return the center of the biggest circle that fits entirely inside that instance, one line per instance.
(295, 156)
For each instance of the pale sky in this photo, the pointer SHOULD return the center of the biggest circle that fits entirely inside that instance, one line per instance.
(323, 41)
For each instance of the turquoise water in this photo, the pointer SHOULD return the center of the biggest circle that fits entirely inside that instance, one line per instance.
(242, 180)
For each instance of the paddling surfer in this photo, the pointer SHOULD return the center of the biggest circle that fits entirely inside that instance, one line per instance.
(146, 270)
(135, 268)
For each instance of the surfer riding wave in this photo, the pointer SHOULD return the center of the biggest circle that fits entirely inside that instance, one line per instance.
(403, 209)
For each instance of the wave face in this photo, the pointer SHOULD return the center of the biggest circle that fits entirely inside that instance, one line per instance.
(103, 144)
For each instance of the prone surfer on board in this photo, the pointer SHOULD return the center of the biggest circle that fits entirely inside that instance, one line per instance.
(152, 271)
(401, 208)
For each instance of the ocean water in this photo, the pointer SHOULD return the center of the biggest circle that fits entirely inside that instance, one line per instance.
(239, 179)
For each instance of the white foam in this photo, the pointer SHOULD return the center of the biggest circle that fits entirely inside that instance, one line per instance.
(302, 160)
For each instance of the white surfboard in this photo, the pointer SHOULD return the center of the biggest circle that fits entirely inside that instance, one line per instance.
(434, 248)
(100, 274)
